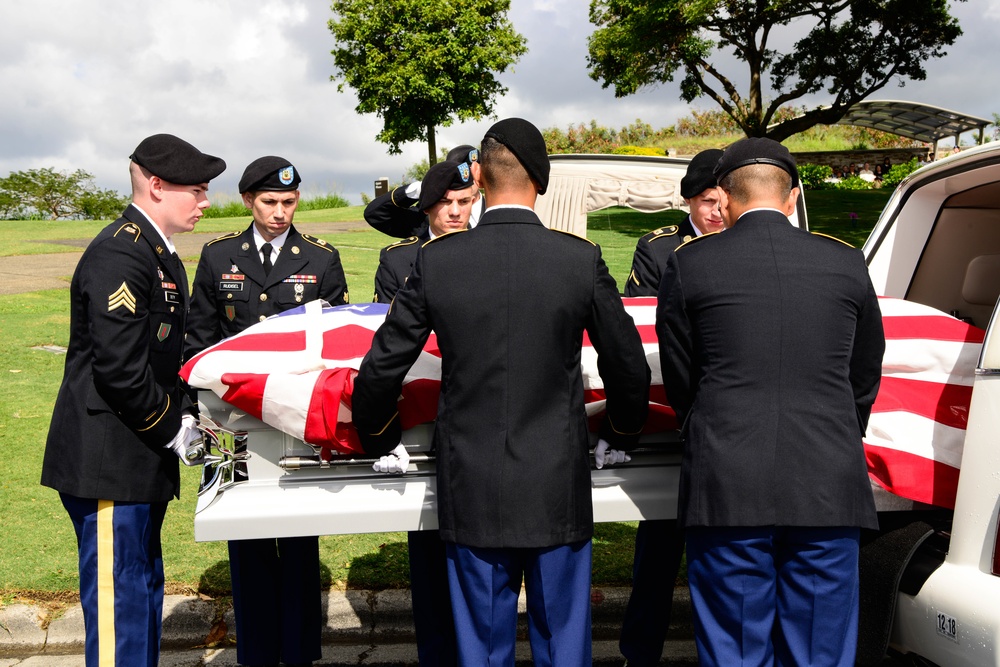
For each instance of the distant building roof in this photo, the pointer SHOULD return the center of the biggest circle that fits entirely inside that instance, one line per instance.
(912, 120)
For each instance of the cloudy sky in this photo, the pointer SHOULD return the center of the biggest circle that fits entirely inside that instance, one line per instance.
(85, 80)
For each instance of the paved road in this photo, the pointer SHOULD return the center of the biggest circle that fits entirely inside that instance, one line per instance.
(29, 273)
(605, 653)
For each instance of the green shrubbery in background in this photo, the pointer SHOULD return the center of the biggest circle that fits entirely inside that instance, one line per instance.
(815, 177)
(222, 207)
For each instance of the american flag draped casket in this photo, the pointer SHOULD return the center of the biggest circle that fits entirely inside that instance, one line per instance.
(295, 372)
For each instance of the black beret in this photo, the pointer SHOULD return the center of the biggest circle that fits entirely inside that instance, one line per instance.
(464, 153)
(756, 150)
(176, 161)
(269, 173)
(444, 176)
(527, 144)
(700, 174)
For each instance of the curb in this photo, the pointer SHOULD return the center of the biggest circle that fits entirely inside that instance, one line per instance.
(352, 617)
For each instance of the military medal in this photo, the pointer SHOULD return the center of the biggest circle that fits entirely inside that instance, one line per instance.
(299, 289)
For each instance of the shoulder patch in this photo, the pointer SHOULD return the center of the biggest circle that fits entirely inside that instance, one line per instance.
(444, 236)
(319, 243)
(230, 235)
(129, 228)
(670, 230)
(576, 236)
(832, 238)
(697, 238)
(663, 233)
(409, 240)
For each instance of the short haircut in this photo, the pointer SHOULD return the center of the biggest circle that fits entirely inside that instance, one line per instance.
(501, 170)
(756, 181)
(138, 175)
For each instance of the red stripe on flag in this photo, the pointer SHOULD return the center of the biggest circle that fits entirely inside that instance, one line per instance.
(913, 476)
(931, 327)
(946, 404)
(246, 391)
(431, 346)
(419, 403)
(323, 426)
(279, 341)
(347, 342)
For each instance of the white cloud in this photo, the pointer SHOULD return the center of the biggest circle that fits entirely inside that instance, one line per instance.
(85, 81)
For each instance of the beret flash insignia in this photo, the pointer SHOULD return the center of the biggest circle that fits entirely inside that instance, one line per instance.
(287, 175)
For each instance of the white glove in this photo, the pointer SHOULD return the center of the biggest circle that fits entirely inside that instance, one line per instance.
(604, 455)
(395, 462)
(413, 190)
(181, 443)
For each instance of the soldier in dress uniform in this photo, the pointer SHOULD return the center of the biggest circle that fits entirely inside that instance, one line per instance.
(244, 278)
(513, 475)
(398, 213)
(122, 417)
(698, 187)
(771, 349)
(447, 197)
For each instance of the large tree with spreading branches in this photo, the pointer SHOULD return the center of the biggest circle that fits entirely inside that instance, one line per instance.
(849, 48)
(422, 64)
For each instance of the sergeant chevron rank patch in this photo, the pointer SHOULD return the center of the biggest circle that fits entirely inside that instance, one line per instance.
(122, 297)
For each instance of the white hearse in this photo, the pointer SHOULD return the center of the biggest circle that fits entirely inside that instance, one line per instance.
(938, 243)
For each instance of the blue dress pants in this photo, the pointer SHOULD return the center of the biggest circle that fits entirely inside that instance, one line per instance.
(485, 584)
(121, 579)
(769, 595)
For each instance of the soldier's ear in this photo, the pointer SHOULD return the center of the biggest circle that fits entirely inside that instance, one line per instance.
(793, 198)
(248, 199)
(477, 174)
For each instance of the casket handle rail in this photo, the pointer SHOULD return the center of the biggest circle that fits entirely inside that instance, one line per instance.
(225, 455)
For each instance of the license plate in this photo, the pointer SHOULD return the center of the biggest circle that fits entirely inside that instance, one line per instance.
(947, 627)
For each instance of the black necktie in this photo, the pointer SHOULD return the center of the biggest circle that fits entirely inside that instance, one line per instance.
(266, 251)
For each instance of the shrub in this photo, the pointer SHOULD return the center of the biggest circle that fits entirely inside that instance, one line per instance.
(227, 209)
(331, 200)
(813, 176)
(854, 182)
(638, 150)
(898, 172)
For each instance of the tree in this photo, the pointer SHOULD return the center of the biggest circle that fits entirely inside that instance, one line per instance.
(57, 194)
(421, 64)
(854, 48)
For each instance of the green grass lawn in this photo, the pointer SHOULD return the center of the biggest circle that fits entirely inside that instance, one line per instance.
(39, 555)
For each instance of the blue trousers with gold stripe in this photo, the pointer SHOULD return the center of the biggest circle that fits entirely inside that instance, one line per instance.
(121, 579)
